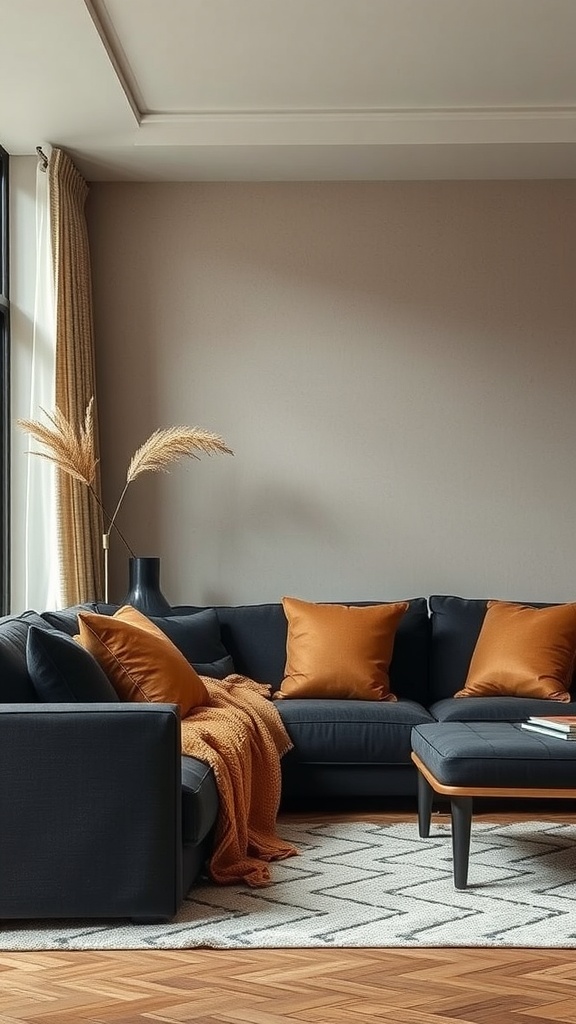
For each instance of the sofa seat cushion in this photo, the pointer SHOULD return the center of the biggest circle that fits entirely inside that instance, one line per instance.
(351, 731)
(495, 709)
(199, 800)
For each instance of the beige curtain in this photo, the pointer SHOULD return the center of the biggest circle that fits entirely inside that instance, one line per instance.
(79, 518)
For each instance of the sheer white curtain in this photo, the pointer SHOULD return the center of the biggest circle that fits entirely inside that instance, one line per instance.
(42, 570)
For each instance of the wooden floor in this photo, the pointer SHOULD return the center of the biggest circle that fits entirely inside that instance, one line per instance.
(342, 986)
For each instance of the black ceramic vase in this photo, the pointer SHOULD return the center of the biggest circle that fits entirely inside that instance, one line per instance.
(144, 583)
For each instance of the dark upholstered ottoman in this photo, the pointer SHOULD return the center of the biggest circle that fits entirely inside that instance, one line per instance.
(462, 760)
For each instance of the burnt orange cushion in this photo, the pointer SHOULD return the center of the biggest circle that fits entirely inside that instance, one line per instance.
(523, 652)
(339, 651)
(139, 659)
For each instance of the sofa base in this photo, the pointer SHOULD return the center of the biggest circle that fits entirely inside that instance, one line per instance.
(194, 861)
(322, 781)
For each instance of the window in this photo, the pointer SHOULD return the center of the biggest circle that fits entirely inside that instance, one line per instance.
(4, 392)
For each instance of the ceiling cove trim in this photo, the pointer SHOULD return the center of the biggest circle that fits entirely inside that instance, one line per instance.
(360, 127)
(116, 56)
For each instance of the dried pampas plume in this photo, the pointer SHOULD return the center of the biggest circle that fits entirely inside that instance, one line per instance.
(72, 451)
(166, 446)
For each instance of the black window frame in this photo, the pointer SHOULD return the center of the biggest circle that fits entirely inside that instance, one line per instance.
(4, 389)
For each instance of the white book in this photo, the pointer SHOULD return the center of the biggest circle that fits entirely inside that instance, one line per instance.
(545, 731)
(564, 723)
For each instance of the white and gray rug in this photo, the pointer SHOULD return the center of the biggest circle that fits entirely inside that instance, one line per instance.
(365, 885)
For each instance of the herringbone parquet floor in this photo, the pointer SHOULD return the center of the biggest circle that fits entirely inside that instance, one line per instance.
(317, 986)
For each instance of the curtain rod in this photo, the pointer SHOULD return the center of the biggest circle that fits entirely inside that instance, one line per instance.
(42, 157)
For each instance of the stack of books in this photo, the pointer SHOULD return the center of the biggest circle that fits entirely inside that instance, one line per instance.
(562, 727)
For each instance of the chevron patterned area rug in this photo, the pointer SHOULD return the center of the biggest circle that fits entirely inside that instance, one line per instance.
(365, 885)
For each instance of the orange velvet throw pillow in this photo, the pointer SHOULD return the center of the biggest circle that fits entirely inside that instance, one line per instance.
(523, 652)
(139, 659)
(339, 651)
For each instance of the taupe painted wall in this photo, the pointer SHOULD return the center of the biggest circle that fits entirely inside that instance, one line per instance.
(394, 365)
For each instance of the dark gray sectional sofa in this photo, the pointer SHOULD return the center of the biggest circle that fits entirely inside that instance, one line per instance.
(101, 817)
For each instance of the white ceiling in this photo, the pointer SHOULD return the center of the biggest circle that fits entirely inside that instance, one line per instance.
(196, 90)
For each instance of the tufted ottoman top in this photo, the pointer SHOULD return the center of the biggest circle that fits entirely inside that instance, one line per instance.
(495, 755)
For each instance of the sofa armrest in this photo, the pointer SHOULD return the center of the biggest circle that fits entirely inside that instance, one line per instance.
(90, 810)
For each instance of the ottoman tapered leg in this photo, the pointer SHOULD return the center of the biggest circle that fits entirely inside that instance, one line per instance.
(425, 796)
(461, 811)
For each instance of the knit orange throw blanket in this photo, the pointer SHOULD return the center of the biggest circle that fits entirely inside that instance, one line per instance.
(241, 736)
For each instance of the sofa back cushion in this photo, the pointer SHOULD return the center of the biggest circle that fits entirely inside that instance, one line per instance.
(198, 637)
(255, 636)
(196, 634)
(455, 626)
(16, 687)
(66, 619)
